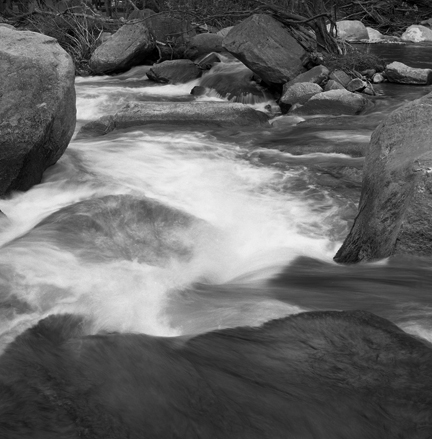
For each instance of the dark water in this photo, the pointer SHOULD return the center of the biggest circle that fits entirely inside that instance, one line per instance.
(175, 282)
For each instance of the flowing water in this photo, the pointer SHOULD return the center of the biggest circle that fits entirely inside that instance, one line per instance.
(176, 230)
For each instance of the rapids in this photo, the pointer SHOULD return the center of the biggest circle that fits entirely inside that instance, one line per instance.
(176, 231)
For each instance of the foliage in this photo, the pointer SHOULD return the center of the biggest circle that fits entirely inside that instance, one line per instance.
(78, 34)
(353, 60)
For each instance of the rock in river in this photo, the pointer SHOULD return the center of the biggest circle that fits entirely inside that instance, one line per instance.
(267, 48)
(396, 202)
(145, 113)
(37, 106)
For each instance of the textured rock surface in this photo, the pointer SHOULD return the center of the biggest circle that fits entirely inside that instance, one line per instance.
(300, 93)
(417, 33)
(333, 102)
(403, 74)
(176, 71)
(396, 202)
(317, 75)
(37, 106)
(130, 46)
(352, 30)
(266, 47)
(144, 113)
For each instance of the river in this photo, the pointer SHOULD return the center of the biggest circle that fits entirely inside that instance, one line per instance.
(174, 231)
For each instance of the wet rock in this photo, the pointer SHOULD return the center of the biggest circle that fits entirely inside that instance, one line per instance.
(333, 102)
(417, 33)
(174, 72)
(396, 201)
(322, 374)
(341, 77)
(37, 106)
(317, 75)
(121, 227)
(145, 113)
(352, 30)
(263, 45)
(206, 62)
(403, 74)
(234, 82)
(356, 84)
(130, 46)
(300, 93)
(202, 44)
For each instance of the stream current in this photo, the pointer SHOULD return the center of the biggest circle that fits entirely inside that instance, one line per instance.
(177, 230)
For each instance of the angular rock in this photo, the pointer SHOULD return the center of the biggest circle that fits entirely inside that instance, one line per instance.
(37, 106)
(267, 48)
(202, 44)
(130, 46)
(374, 35)
(224, 32)
(300, 93)
(403, 74)
(317, 75)
(333, 102)
(145, 113)
(417, 33)
(341, 77)
(174, 72)
(352, 30)
(333, 85)
(396, 202)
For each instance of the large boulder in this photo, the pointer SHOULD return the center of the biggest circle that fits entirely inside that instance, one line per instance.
(145, 113)
(130, 46)
(267, 48)
(202, 44)
(396, 202)
(37, 106)
(333, 102)
(352, 30)
(417, 33)
(403, 74)
(327, 374)
(374, 35)
(174, 72)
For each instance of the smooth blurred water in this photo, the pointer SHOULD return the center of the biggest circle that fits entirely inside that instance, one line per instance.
(173, 230)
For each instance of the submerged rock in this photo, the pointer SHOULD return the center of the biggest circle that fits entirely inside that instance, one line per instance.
(403, 74)
(122, 227)
(37, 106)
(130, 46)
(267, 48)
(316, 374)
(396, 203)
(174, 72)
(145, 113)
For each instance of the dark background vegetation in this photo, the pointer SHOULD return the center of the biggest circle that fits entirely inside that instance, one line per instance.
(79, 24)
